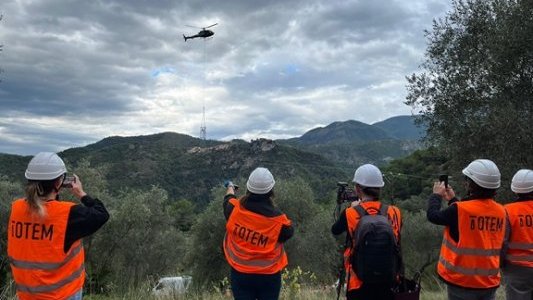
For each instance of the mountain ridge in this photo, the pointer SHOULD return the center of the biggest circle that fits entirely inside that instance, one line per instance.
(341, 132)
(352, 143)
(177, 162)
(402, 127)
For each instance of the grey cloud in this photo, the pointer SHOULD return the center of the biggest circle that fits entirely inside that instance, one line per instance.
(29, 140)
(69, 77)
(96, 58)
(348, 24)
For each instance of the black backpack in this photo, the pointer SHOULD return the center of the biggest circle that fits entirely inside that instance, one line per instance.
(375, 254)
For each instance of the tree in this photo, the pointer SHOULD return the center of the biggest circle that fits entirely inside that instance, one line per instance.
(139, 240)
(476, 92)
(420, 242)
(9, 191)
(206, 259)
(312, 247)
(413, 175)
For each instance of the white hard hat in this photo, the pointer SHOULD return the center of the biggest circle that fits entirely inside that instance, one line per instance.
(45, 166)
(522, 182)
(369, 176)
(484, 173)
(260, 181)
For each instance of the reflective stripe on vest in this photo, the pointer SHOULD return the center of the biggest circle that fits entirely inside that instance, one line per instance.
(469, 271)
(262, 263)
(521, 246)
(21, 264)
(470, 251)
(51, 287)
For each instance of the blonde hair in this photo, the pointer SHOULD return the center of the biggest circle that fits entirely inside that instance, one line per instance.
(34, 193)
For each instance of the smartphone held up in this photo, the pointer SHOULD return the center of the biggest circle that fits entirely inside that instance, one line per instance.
(67, 182)
(444, 178)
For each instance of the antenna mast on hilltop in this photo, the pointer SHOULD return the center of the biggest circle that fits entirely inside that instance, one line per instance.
(205, 34)
(203, 127)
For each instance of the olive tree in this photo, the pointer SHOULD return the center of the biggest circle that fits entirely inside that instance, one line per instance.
(205, 256)
(9, 191)
(420, 242)
(140, 241)
(475, 92)
(313, 247)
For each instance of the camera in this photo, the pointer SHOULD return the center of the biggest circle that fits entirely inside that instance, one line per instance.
(67, 182)
(230, 183)
(345, 193)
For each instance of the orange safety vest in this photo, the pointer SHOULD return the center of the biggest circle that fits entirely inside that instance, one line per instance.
(474, 261)
(352, 218)
(251, 242)
(41, 269)
(520, 244)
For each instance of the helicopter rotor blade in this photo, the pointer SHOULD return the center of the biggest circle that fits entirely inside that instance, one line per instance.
(194, 26)
(211, 25)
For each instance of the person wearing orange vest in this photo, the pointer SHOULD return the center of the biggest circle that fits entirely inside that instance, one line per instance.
(474, 233)
(368, 181)
(518, 266)
(255, 232)
(44, 234)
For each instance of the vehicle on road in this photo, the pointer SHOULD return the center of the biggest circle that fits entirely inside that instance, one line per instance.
(170, 286)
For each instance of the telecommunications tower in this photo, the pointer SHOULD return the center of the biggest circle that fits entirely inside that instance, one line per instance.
(203, 127)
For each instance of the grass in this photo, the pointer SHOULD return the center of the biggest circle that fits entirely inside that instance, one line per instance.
(306, 293)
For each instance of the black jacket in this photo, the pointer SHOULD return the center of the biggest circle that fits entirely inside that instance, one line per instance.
(84, 219)
(447, 217)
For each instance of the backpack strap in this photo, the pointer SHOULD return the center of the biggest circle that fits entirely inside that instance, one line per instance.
(383, 210)
(361, 211)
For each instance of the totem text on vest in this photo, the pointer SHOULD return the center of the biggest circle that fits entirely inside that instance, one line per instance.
(250, 236)
(486, 223)
(34, 231)
(525, 220)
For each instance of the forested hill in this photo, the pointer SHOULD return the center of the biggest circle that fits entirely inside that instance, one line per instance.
(187, 167)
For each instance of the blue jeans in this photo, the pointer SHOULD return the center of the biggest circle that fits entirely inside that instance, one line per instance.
(255, 286)
(77, 296)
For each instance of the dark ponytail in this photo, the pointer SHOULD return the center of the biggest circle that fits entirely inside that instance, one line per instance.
(268, 197)
(475, 191)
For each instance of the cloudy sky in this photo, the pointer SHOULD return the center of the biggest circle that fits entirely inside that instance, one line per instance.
(77, 71)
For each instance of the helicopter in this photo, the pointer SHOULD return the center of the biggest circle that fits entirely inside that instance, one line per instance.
(204, 33)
